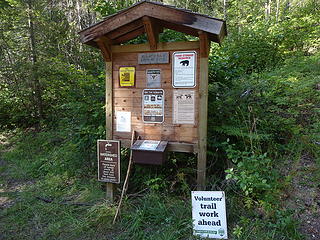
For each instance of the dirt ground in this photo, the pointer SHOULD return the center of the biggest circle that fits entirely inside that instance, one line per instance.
(304, 196)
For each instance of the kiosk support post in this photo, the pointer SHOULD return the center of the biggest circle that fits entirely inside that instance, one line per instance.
(109, 117)
(203, 110)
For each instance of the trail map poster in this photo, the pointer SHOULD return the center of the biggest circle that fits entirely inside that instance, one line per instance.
(184, 107)
(184, 69)
(153, 105)
(108, 161)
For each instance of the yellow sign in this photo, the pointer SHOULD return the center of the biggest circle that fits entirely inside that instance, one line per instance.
(126, 76)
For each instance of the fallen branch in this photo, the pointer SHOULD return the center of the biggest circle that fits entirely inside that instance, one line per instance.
(47, 200)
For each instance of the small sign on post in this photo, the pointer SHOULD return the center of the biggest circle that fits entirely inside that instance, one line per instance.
(108, 161)
(209, 214)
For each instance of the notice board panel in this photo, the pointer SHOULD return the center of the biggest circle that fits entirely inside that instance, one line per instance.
(131, 100)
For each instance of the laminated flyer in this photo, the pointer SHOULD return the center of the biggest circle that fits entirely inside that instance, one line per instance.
(153, 105)
(184, 107)
(184, 69)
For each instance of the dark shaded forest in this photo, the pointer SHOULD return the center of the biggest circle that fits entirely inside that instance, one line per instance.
(263, 126)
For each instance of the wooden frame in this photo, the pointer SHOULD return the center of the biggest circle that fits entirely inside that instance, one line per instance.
(150, 18)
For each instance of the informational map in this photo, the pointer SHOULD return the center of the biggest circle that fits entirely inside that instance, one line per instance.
(153, 105)
(184, 69)
(108, 161)
(153, 78)
(183, 106)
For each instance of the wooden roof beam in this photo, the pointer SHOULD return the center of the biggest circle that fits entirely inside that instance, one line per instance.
(187, 20)
(128, 36)
(105, 47)
(117, 33)
(204, 44)
(152, 31)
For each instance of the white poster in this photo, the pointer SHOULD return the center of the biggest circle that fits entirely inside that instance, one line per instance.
(149, 145)
(153, 78)
(209, 214)
(183, 107)
(184, 69)
(153, 105)
(123, 123)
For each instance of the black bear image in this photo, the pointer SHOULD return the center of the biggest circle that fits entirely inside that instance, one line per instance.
(185, 63)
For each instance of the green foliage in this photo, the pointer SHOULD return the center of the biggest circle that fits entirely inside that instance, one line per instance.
(263, 96)
(156, 216)
(106, 8)
(253, 172)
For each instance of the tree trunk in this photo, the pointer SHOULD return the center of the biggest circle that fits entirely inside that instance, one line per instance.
(225, 9)
(37, 92)
(268, 9)
(277, 10)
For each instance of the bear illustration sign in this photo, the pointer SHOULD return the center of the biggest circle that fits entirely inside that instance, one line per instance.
(184, 69)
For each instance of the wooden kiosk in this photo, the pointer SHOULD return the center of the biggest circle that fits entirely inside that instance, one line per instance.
(173, 74)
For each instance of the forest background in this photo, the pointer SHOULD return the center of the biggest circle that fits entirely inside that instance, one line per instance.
(263, 131)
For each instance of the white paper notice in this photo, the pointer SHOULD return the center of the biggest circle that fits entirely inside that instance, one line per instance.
(183, 106)
(149, 145)
(123, 121)
(209, 214)
(153, 105)
(153, 78)
(184, 69)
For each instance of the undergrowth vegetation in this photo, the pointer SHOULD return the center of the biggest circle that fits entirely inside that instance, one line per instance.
(256, 131)
(264, 96)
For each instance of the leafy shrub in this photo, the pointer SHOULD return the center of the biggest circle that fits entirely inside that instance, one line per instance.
(254, 173)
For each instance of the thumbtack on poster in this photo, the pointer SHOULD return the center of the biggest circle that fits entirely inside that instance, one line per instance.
(209, 214)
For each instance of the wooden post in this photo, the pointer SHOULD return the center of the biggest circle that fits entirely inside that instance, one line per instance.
(203, 111)
(109, 120)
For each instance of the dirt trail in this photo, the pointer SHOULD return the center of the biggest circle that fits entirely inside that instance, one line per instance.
(9, 188)
(304, 196)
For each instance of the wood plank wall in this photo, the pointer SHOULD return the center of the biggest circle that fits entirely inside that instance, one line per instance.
(130, 99)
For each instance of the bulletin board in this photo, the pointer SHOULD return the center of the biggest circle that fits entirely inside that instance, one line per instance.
(157, 73)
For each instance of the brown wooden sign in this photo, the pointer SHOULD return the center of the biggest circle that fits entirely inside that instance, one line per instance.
(108, 161)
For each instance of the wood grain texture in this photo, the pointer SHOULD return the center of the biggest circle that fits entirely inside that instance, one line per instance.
(109, 121)
(202, 130)
(130, 100)
(152, 30)
(163, 46)
(177, 19)
(105, 48)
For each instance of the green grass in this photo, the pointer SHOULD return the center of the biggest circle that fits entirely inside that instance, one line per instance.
(155, 215)
(60, 166)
